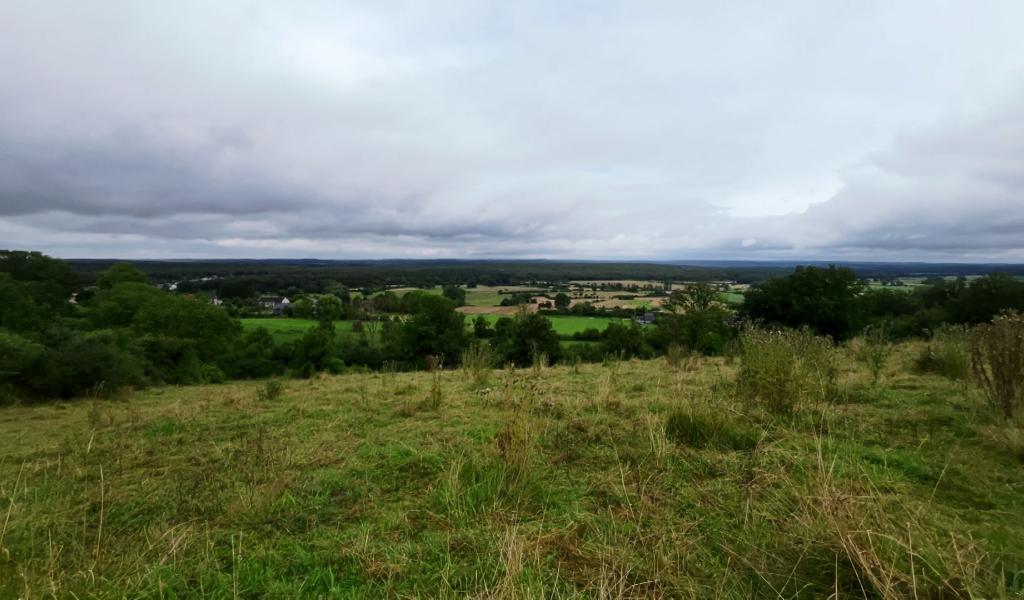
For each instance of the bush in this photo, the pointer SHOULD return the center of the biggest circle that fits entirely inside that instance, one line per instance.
(707, 430)
(997, 361)
(785, 369)
(270, 391)
(947, 354)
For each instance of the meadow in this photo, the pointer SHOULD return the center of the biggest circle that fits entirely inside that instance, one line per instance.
(627, 479)
(288, 329)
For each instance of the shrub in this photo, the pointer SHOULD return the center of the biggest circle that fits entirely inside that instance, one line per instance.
(270, 391)
(707, 430)
(997, 361)
(947, 354)
(784, 369)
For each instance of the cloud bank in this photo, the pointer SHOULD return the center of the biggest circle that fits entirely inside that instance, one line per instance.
(458, 129)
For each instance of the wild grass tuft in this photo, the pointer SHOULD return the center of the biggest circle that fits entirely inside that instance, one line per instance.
(271, 391)
(478, 361)
(947, 354)
(784, 370)
(873, 349)
(702, 428)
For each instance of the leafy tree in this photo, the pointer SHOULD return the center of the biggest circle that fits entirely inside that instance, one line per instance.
(562, 301)
(626, 341)
(47, 281)
(455, 293)
(327, 308)
(694, 297)
(316, 351)
(986, 297)
(302, 308)
(118, 306)
(527, 336)
(826, 300)
(433, 329)
(120, 273)
(253, 356)
(705, 331)
(187, 318)
(482, 327)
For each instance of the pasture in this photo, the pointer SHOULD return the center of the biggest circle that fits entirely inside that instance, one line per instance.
(564, 325)
(287, 329)
(629, 479)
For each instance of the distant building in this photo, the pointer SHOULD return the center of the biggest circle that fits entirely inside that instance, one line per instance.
(646, 319)
(275, 304)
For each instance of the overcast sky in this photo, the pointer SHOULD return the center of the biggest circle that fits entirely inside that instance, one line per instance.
(628, 130)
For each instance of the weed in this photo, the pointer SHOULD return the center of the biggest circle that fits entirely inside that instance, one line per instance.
(946, 354)
(478, 360)
(705, 429)
(679, 359)
(785, 369)
(874, 351)
(997, 361)
(270, 391)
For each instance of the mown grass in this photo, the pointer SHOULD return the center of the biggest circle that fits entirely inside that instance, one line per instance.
(629, 479)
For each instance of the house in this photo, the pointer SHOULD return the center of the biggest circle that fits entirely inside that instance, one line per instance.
(646, 319)
(275, 304)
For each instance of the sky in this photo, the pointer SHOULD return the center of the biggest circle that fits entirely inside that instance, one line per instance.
(826, 130)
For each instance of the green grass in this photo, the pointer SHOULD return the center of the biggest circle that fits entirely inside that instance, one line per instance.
(565, 325)
(288, 330)
(621, 480)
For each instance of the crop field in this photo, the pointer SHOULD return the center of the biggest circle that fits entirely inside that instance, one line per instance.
(628, 479)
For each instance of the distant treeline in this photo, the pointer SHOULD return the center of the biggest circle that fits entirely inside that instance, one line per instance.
(65, 336)
(239, 278)
(316, 276)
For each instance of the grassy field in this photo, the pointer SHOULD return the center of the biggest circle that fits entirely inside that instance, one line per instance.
(566, 325)
(609, 481)
(289, 330)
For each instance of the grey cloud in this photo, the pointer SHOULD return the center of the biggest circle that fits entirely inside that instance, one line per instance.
(461, 129)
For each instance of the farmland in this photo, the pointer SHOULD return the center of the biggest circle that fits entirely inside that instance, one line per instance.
(558, 482)
(288, 329)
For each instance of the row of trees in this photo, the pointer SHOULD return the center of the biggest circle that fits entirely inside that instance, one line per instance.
(833, 301)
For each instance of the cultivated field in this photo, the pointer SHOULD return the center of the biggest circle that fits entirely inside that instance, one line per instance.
(632, 479)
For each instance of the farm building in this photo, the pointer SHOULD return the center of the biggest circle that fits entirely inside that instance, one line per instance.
(275, 304)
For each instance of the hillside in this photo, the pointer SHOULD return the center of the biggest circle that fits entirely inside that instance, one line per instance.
(628, 479)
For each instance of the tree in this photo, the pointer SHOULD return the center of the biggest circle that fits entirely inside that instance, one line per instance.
(626, 341)
(327, 308)
(455, 293)
(704, 331)
(526, 337)
(562, 301)
(120, 273)
(826, 300)
(694, 297)
(482, 327)
(434, 329)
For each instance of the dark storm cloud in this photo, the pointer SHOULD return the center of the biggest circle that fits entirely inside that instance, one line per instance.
(813, 130)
